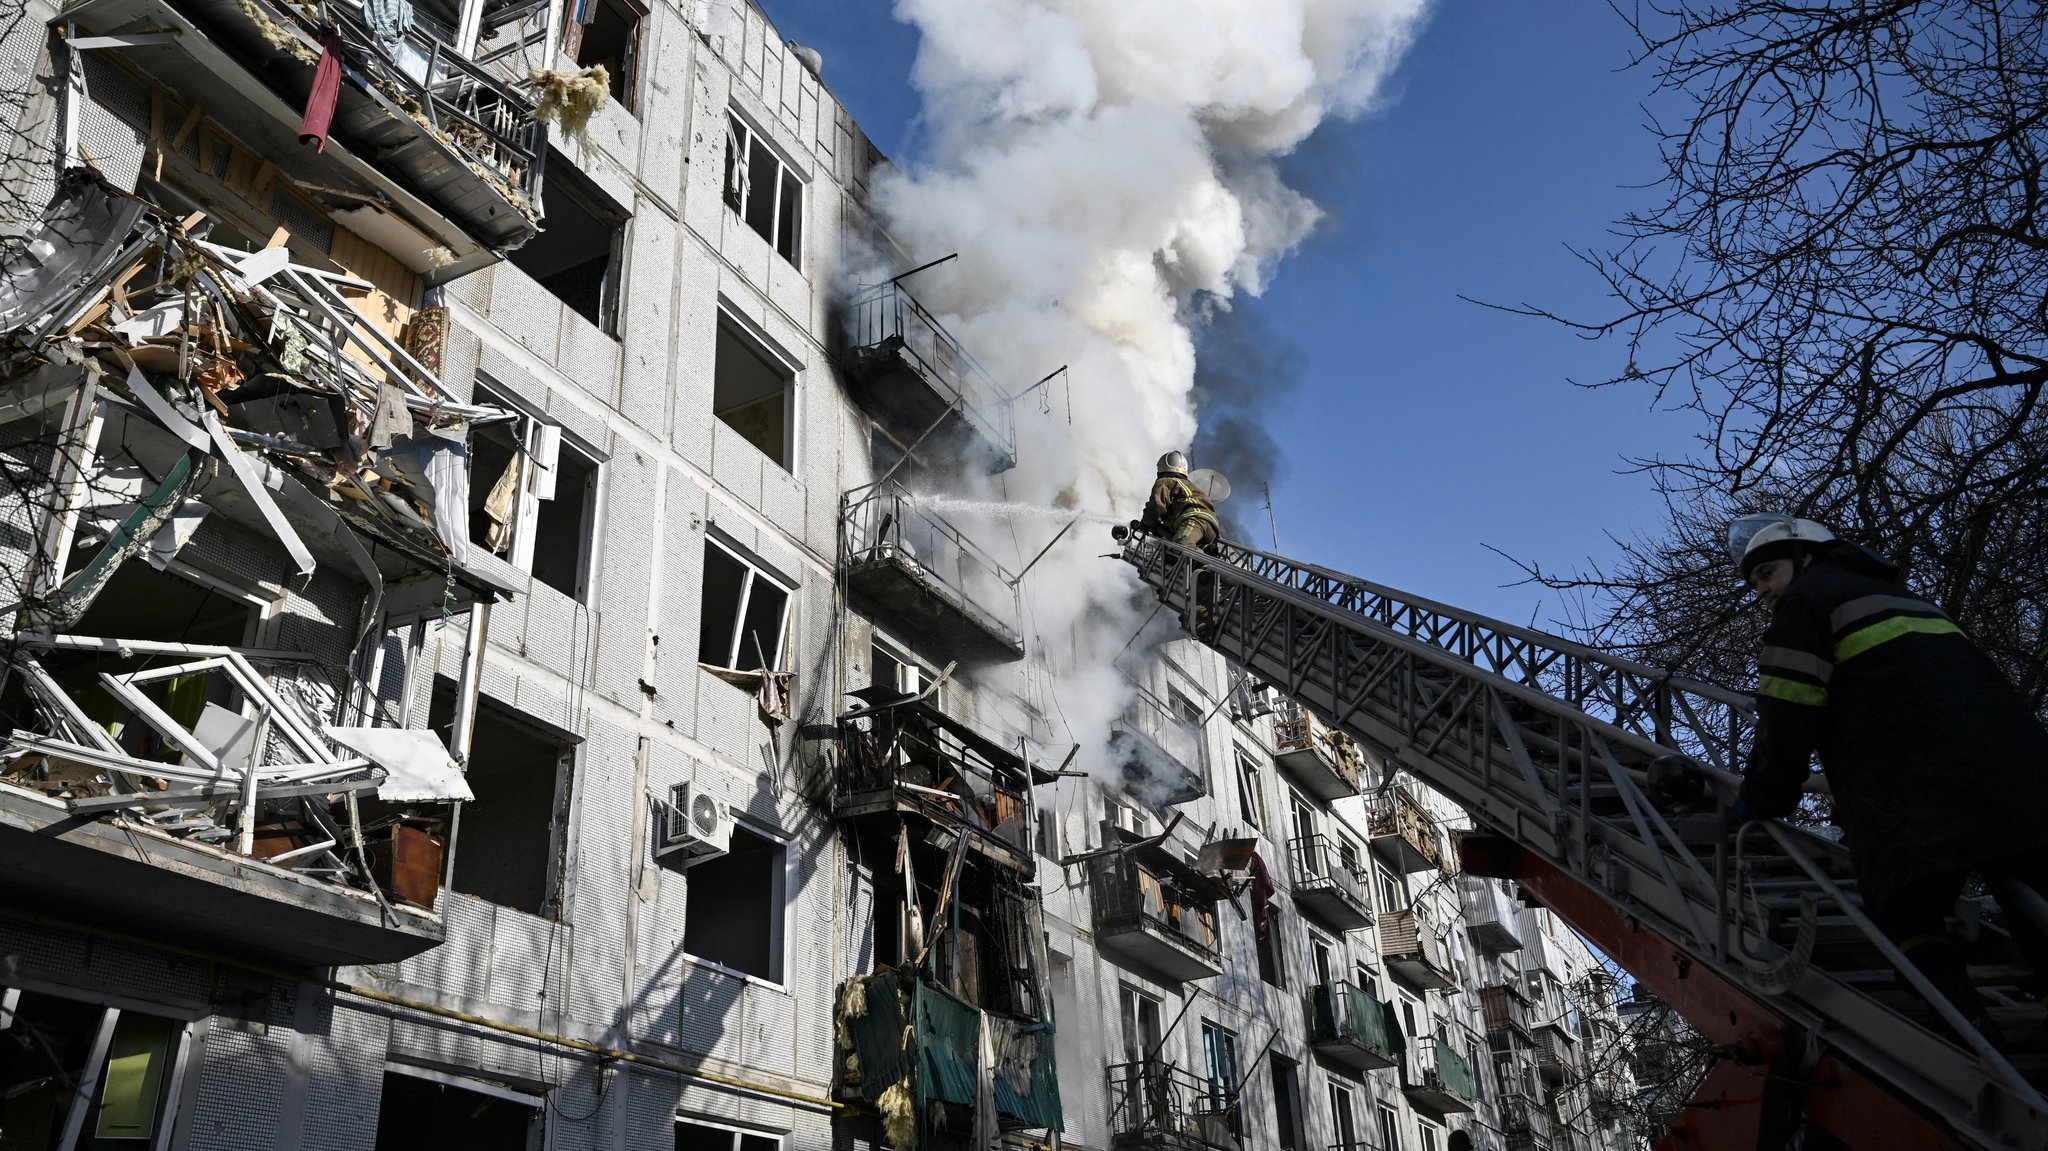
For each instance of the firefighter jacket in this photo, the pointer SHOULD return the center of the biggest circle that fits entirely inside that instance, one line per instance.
(1935, 761)
(1174, 502)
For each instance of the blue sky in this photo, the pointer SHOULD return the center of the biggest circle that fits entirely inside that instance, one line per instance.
(1423, 428)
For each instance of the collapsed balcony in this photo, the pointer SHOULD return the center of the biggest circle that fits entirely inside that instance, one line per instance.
(1348, 1026)
(1320, 759)
(1328, 884)
(927, 576)
(1404, 833)
(1416, 950)
(1156, 1106)
(922, 386)
(910, 1043)
(418, 128)
(1157, 913)
(1525, 1124)
(1491, 920)
(1438, 1079)
(1160, 754)
(902, 755)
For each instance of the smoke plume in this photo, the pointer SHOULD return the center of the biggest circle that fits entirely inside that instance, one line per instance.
(1107, 171)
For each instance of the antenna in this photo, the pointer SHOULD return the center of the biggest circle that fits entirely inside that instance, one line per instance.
(1272, 524)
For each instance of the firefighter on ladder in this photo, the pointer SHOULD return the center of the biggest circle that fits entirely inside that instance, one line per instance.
(1938, 767)
(1178, 509)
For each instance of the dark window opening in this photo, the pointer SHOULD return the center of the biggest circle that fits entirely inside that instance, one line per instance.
(508, 838)
(607, 32)
(577, 256)
(734, 914)
(743, 614)
(752, 390)
(562, 526)
(1250, 803)
(533, 499)
(763, 190)
(64, 1059)
(1272, 961)
(1343, 1116)
(1287, 1105)
(416, 1112)
(699, 1137)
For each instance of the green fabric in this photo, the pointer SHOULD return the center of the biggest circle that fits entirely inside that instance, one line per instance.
(1884, 631)
(185, 699)
(83, 586)
(1456, 1073)
(948, 1032)
(878, 1037)
(942, 1052)
(1791, 691)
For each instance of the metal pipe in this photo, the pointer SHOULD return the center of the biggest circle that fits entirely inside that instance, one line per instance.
(900, 277)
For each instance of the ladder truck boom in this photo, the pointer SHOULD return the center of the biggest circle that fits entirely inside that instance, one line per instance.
(1755, 938)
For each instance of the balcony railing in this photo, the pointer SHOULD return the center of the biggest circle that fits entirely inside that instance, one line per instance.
(1322, 760)
(1157, 1106)
(1490, 915)
(1160, 754)
(1327, 885)
(1416, 950)
(1404, 833)
(920, 380)
(1439, 1079)
(1552, 1055)
(1157, 913)
(1505, 1010)
(1350, 1027)
(1525, 1123)
(910, 757)
(926, 573)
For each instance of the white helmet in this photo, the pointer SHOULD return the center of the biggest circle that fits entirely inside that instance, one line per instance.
(1765, 536)
(1174, 464)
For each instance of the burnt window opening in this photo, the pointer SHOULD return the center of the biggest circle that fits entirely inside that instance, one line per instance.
(66, 1060)
(762, 190)
(704, 1137)
(753, 392)
(578, 257)
(607, 32)
(735, 912)
(429, 1109)
(744, 614)
(533, 498)
(509, 839)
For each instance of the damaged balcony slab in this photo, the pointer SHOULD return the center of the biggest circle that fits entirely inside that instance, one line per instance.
(1155, 912)
(906, 370)
(138, 880)
(1327, 885)
(458, 160)
(926, 575)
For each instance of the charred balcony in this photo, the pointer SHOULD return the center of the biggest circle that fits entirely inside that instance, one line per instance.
(1404, 833)
(1416, 950)
(1349, 1027)
(1320, 759)
(1491, 919)
(1438, 1079)
(1160, 753)
(1157, 1106)
(419, 128)
(922, 387)
(912, 565)
(1328, 885)
(922, 1035)
(902, 755)
(1156, 913)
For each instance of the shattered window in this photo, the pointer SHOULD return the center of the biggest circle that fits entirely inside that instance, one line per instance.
(421, 1108)
(533, 499)
(753, 390)
(734, 915)
(762, 189)
(1251, 805)
(509, 841)
(704, 1137)
(578, 257)
(607, 32)
(744, 613)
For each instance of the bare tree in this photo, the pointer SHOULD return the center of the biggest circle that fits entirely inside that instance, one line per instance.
(1847, 280)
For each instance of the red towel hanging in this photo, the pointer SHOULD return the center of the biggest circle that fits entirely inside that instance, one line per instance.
(326, 90)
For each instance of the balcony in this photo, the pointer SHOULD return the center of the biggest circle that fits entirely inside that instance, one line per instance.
(1347, 1026)
(1491, 922)
(1416, 951)
(1404, 834)
(457, 152)
(1160, 754)
(1539, 954)
(1525, 1124)
(922, 386)
(1506, 1011)
(1321, 760)
(904, 756)
(1438, 1079)
(921, 571)
(1327, 885)
(1552, 1056)
(913, 1030)
(1157, 1106)
(1156, 913)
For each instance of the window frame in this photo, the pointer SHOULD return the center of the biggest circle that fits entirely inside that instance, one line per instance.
(742, 138)
(780, 1138)
(778, 945)
(1251, 799)
(730, 320)
(1220, 1040)
(1343, 1114)
(543, 442)
(754, 570)
(175, 1089)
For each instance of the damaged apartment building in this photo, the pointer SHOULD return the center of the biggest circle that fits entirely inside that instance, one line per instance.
(477, 667)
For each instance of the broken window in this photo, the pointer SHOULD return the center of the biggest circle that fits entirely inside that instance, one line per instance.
(110, 1075)
(1272, 952)
(762, 189)
(1250, 804)
(753, 390)
(578, 257)
(508, 841)
(423, 1108)
(607, 32)
(734, 915)
(893, 667)
(744, 614)
(693, 1136)
(533, 497)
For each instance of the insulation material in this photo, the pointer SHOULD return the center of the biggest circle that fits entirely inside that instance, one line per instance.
(569, 99)
(416, 766)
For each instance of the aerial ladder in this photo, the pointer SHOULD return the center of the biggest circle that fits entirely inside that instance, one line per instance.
(1755, 938)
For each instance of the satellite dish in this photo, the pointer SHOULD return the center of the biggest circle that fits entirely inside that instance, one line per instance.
(1211, 483)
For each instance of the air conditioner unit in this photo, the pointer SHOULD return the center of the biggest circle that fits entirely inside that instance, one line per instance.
(694, 824)
(1250, 699)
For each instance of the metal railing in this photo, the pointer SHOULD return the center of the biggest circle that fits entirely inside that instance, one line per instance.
(1395, 811)
(1411, 934)
(1342, 1012)
(1434, 1062)
(1130, 896)
(1314, 862)
(1180, 779)
(888, 314)
(887, 523)
(1490, 916)
(1521, 1115)
(1159, 1104)
(1297, 729)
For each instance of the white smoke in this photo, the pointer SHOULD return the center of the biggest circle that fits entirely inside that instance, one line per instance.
(1106, 170)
